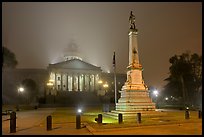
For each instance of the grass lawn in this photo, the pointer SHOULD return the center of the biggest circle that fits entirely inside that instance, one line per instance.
(68, 115)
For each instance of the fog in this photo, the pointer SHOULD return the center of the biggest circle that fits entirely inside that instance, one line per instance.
(40, 33)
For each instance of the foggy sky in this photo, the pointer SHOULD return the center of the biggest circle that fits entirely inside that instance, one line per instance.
(42, 33)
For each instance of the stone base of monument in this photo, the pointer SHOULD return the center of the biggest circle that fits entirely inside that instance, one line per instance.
(132, 115)
(134, 101)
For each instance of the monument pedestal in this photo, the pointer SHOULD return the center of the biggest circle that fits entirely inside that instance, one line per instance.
(133, 101)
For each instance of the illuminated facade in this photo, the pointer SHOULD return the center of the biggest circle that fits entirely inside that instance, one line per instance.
(74, 75)
(63, 83)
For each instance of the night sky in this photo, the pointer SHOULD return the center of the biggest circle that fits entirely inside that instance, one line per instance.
(42, 33)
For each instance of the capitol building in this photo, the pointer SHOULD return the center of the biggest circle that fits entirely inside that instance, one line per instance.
(65, 82)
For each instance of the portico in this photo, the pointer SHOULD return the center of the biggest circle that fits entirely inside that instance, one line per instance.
(74, 75)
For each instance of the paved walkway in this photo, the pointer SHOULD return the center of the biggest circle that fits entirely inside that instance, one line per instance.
(170, 129)
(34, 123)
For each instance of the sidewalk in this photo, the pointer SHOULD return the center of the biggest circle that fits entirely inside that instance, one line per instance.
(57, 129)
(170, 129)
(70, 129)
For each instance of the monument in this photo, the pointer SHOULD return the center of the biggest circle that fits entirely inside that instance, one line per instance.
(134, 95)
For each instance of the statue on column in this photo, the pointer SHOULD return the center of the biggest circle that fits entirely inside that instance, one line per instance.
(132, 21)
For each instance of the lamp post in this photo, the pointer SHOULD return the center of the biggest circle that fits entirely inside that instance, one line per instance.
(156, 93)
(20, 90)
(100, 82)
(50, 85)
(105, 87)
(106, 98)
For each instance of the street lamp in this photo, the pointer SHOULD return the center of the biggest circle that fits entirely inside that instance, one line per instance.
(79, 110)
(20, 90)
(105, 86)
(51, 81)
(106, 98)
(155, 92)
(100, 82)
(49, 84)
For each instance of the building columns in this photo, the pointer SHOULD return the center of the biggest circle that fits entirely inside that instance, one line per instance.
(61, 82)
(78, 82)
(89, 82)
(84, 75)
(55, 80)
(94, 82)
(75, 82)
(72, 82)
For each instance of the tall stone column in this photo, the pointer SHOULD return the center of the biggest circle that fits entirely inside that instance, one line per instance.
(89, 82)
(82, 82)
(84, 75)
(55, 81)
(73, 82)
(94, 82)
(67, 82)
(70, 82)
(133, 48)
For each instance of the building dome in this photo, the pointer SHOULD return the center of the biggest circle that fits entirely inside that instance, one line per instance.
(72, 52)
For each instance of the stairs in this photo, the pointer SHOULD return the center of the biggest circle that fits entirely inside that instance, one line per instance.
(130, 115)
